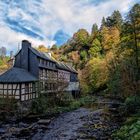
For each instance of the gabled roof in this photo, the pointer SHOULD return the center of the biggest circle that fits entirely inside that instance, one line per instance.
(71, 68)
(17, 75)
(60, 65)
(41, 54)
(64, 66)
(46, 56)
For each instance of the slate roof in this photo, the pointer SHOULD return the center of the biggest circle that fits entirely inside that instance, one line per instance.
(16, 75)
(71, 68)
(41, 54)
(46, 56)
(63, 66)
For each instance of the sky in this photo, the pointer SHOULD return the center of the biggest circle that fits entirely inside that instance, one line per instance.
(49, 21)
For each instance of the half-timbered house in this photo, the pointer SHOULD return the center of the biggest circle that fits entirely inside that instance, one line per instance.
(36, 72)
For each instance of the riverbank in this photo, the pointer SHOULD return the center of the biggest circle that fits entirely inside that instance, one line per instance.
(97, 119)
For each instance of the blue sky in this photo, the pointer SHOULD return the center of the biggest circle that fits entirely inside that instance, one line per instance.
(40, 21)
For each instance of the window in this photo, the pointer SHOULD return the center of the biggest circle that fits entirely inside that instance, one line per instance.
(44, 73)
(51, 86)
(40, 61)
(45, 63)
(34, 87)
(40, 73)
(54, 87)
(46, 86)
(26, 88)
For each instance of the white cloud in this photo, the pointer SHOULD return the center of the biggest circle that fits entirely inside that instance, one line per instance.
(46, 17)
(71, 15)
(11, 39)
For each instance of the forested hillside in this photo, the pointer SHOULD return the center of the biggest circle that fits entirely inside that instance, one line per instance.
(107, 58)
(108, 62)
(108, 105)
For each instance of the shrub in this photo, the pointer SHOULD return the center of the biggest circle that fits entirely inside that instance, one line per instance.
(132, 104)
(8, 108)
(130, 131)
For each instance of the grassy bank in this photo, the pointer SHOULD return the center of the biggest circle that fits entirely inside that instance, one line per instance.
(130, 129)
(53, 105)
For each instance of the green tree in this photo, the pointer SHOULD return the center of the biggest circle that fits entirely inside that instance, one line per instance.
(103, 23)
(114, 20)
(80, 39)
(94, 28)
(83, 55)
(95, 49)
(124, 76)
(131, 43)
(134, 31)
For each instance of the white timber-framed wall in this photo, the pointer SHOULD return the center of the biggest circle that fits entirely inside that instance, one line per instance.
(20, 91)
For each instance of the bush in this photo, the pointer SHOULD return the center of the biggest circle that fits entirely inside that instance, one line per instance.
(42, 104)
(63, 103)
(64, 99)
(8, 104)
(130, 131)
(132, 104)
(8, 108)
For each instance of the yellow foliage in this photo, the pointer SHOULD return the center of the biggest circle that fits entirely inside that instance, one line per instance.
(110, 37)
(94, 75)
(42, 48)
(74, 56)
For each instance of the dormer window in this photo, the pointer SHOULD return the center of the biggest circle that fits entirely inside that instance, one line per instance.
(49, 64)
(53, 65)
(46, 63)
(40, 61)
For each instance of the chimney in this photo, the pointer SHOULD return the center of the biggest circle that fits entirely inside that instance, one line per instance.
(25, 54)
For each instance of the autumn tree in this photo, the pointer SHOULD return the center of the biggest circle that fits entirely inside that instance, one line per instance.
(110, 42)
(94, 75)
(109, 55)
(80, 39)
(42, 48)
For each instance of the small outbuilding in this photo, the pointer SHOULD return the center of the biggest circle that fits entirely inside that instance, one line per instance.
(19, 84)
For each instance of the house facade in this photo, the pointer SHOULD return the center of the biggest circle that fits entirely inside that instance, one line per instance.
(35, 72)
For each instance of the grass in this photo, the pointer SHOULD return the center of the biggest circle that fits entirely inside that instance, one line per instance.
(130, 129)
(45, 105)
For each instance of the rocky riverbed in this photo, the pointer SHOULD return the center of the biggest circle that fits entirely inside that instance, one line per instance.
(97, 121)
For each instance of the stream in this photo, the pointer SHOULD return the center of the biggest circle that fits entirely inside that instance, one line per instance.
(95, 121)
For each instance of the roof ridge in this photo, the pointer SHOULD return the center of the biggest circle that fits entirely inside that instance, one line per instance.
(40, 54)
